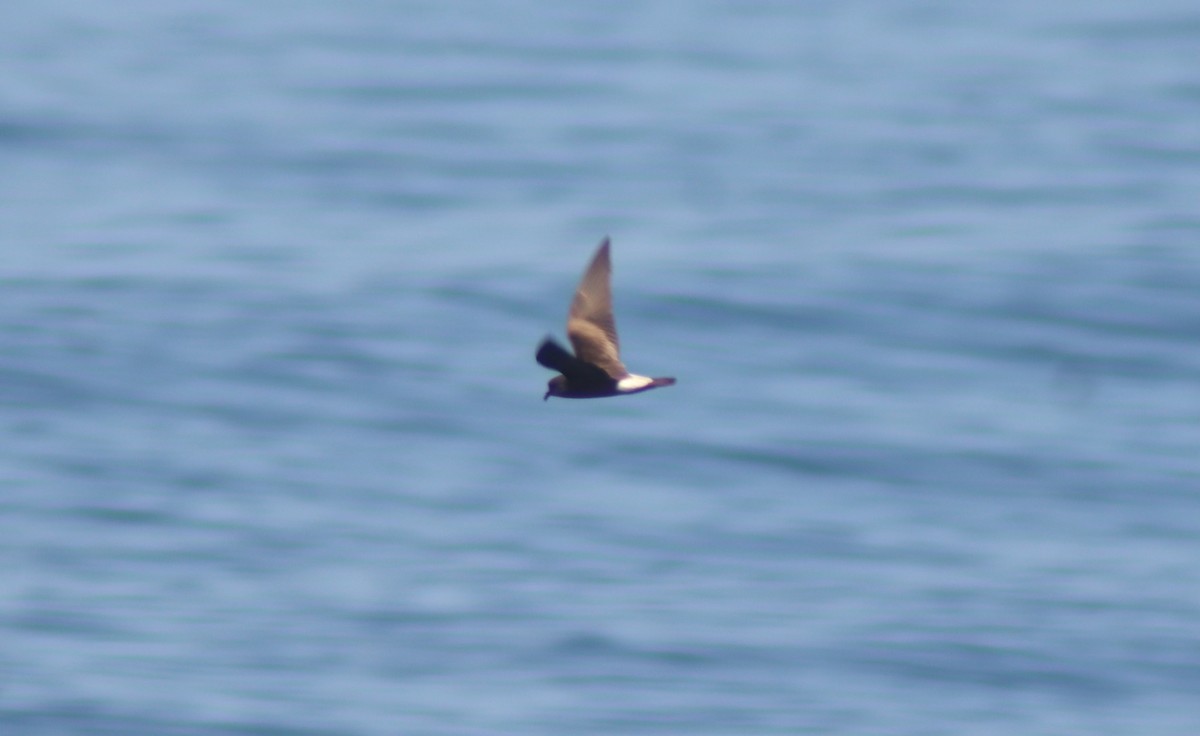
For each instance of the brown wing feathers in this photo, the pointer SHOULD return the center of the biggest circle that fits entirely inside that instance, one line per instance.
(590, 325)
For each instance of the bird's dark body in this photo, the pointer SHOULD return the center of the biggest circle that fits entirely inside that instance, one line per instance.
(583, 380)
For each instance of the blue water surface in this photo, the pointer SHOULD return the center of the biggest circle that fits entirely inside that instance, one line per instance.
(273, 454)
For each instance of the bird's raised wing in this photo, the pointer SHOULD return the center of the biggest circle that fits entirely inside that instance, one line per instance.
(590, 325)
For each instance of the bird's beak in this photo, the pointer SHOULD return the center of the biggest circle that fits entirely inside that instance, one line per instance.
(547, 396)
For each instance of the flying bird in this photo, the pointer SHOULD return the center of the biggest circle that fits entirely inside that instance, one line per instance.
(595, 370)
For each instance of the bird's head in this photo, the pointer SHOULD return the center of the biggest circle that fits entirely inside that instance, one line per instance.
(556, 387)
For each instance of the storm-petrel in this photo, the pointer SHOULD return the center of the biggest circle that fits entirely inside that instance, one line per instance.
(595, 370)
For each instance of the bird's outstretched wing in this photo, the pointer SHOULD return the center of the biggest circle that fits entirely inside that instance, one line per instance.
(590, 324)
(580, 373)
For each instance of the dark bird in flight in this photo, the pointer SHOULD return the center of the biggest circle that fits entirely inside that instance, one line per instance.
(595, 370)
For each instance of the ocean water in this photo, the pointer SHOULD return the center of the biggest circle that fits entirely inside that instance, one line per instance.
(273, 454)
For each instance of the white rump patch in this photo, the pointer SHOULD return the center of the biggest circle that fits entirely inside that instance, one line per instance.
(633, 383)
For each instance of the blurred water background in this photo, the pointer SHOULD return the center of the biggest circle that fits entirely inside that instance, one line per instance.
(273, 454)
